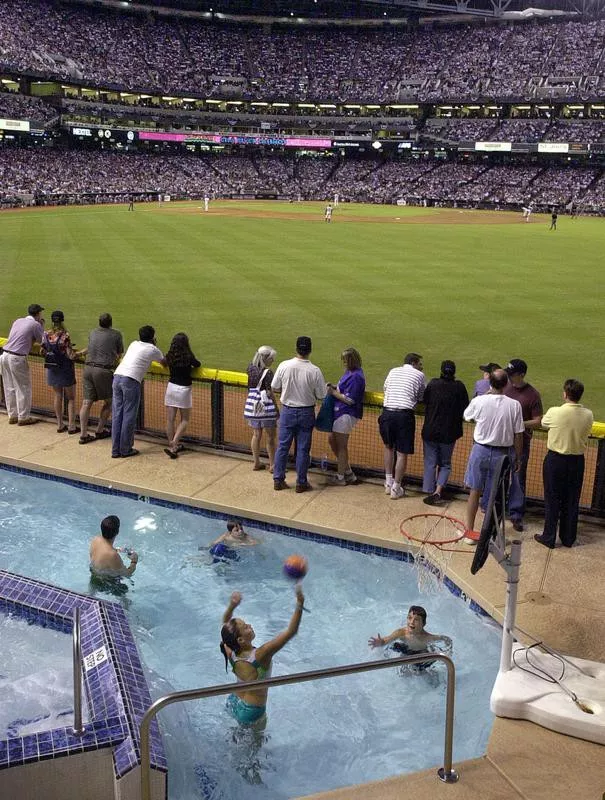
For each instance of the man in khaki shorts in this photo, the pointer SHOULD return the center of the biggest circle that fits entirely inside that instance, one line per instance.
(105, 346)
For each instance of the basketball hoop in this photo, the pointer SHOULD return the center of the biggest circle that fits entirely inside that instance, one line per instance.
(435, 537)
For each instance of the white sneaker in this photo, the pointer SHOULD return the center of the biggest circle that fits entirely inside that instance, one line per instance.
(397, 492)
(387, 488)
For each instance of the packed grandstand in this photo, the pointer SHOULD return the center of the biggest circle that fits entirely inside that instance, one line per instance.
(101, 102)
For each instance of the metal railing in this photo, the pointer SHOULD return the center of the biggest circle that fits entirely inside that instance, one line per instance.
(77, 663)
(445, 773)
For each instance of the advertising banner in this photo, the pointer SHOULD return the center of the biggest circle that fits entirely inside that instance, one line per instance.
(553, 147)
(494, 147)
(236, 138)
(14, 125)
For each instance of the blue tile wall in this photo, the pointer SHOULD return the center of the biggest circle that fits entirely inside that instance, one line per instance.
(116, 690)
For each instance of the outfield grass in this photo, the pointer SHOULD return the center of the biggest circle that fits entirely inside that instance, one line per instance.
(471, 292)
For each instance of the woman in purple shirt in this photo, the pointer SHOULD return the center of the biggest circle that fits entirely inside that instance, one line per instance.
(348, 410)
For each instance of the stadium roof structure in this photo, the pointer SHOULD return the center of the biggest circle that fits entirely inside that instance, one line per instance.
(369, 9)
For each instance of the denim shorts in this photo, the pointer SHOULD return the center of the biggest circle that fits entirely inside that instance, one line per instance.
(481, 464)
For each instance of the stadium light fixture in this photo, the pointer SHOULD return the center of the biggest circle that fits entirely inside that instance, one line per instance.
(281, 105)
(188, 99)
(377, 145)
(352, 105)
(327, 105)
(259, 103)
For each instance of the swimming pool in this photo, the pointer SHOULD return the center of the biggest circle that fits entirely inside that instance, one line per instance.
(319, 735)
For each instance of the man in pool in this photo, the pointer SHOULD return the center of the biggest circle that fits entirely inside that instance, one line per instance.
(412, 639)
(105, 561)
(224, 548)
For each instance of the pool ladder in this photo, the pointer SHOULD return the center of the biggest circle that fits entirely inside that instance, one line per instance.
(445, 773)
(78, 729)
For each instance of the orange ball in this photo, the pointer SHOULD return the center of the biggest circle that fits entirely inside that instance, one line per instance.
(296, 566)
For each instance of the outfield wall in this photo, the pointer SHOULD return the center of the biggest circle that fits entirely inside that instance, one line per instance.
(217, 421)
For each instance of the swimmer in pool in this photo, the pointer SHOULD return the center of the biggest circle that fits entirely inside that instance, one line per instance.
(105, 560)
(234, 536)
(412, 638)
(251, 663)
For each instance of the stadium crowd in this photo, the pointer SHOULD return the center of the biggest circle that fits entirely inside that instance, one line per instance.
(153, 52)
(70, 176)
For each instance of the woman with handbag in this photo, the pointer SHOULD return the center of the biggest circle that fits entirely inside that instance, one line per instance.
(348, 410)
(58, 352)
(260, 410)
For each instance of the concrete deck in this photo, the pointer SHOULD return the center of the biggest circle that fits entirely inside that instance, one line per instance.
(561, 594)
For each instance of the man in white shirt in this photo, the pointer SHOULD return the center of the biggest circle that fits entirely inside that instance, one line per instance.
(403, 389)
(498, 431)
(301, 384)
(127, 391)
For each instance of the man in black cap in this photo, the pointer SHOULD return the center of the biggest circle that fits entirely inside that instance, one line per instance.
(445, 399)
(301, 384)
(482, 386)
(14, 367)
(531, 407)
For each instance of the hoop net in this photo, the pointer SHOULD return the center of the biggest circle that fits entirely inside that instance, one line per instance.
(434, 537)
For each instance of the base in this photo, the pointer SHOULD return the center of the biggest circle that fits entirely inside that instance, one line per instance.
(519, 695)
(448, 777)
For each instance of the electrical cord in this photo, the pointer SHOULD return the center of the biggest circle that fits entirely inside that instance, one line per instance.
(539, 672)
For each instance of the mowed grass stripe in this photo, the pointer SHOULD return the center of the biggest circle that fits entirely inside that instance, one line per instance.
(468, 292)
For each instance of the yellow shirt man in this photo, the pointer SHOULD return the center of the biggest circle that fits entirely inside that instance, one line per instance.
(568, 426)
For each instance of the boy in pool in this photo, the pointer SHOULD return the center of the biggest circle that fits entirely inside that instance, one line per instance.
(235, 536)
(412, 638)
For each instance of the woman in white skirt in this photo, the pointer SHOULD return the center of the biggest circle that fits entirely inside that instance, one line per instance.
(181, 362)
(260, 410)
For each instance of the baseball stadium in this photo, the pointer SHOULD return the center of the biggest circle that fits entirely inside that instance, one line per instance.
(247, 197)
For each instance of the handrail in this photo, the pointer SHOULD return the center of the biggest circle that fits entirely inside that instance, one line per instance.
(78, 729)
(445, 773)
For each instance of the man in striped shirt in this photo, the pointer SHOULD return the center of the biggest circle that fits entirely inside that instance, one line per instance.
(403, 388)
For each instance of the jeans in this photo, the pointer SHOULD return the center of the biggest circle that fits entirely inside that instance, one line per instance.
(294, 424)
(516, 500)
(436, 455)
(124, 410)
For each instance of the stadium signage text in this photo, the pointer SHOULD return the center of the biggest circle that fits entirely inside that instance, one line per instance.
(228, 138)
(14, 125)
(553, 147)
(494, 147)
(81, 131)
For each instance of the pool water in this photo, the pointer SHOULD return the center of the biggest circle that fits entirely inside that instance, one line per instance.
(319, 735)
(36, 678)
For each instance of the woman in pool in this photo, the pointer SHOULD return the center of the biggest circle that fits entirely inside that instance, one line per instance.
(252, 663)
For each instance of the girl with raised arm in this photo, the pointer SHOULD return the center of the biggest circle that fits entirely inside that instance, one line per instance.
(251, 663)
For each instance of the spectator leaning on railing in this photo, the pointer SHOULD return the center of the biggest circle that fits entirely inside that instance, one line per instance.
(23, 334)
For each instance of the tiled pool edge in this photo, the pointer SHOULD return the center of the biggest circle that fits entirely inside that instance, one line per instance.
(261, 521)
(116, 688)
